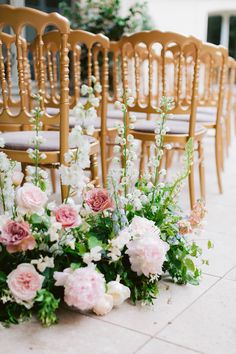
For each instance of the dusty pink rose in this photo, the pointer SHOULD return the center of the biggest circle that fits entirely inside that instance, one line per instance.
(147, 254)
(16, 236)
(24, 282)
(30, 199)
(17, 178)
(184, 227)
(83, 287)
(67, 215)
(98, 199)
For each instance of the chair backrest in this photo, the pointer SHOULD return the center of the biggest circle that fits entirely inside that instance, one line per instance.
(162, 71)
(17, 19)
(213, 67)
(87, 57)
(230, 82)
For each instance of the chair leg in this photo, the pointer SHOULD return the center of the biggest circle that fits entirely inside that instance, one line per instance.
(142, 159)
(191, 186)
(53, 179)
(94, 169)
(64, 192)
(201, 170)
(218, 157)
(103, 159)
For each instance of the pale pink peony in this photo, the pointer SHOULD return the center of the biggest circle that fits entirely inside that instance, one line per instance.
(184, 227)
(17, 178)
(98, 199)
(67, 215)
(83, 287)
(142, 226)
(16, 236)
(24, 282)
(30, 199)
(147, 254)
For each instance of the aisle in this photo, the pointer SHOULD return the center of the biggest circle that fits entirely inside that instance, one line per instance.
(184, 320)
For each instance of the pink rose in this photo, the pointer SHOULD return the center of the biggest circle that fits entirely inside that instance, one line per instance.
(147, 254)
(30, 199)
(198, 213)
(66, 215)
(16, 236)
(24, 282)
(98, 199)
(83, 287)
(184, 227)
(17, 178)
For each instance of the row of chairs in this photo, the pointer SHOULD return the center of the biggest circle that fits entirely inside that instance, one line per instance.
(199, 76)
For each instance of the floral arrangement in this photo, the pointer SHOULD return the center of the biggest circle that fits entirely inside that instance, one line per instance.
(99, 247)
(104, 17)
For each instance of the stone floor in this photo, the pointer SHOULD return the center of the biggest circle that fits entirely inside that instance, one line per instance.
(184, 319)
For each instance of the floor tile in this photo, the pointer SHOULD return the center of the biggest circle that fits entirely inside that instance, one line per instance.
(172, 300)
(231, 275)
(155, 346)
(209, 324)
(75, 334)
(221, 258)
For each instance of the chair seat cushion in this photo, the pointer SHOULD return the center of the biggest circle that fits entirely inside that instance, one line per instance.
(207, 110)
(111, 123)
(22, 140)
(175, 127)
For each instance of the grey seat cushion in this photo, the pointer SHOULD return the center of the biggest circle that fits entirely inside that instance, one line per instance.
(207, 110)
(111, 123)
(22, 140)
(175, 127)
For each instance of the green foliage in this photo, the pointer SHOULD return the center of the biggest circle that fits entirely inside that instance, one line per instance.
(46, 305)
(104, 17)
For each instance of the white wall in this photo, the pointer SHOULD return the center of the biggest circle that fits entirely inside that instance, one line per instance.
(185, 16)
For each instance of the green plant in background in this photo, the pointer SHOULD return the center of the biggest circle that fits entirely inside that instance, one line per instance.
(103, 16)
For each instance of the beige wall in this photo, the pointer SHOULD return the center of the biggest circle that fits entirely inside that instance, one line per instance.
(185, 16)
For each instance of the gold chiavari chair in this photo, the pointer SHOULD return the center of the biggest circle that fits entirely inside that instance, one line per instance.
(88, 51)
(17, 143)
(228, 102)
(210, 111)
(179, 132)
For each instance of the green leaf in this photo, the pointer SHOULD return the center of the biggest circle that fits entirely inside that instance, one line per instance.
(36, 219)
(81, 248)
(209, 244)
(189, 264)
(75, 266)
(3, 277)
(93, 242)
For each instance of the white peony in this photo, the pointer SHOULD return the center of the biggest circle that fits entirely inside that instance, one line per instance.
(118, 291)
(104, 305)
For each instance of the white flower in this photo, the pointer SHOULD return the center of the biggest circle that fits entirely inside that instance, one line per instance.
(162, 172)
(141, 226)
(4, 162)
(121, 240)
(43, 262)
(118, 105)
(98, 87)
(130, 101)
(118, 291)
(94, 101)
(147, 254)
(132, 117)
(54, 229)
(84, 90)
(93, 256)
(104, 305)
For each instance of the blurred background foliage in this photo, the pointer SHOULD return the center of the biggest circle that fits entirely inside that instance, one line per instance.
(104, 16)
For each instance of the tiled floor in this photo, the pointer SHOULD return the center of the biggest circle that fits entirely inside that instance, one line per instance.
(184, 319)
